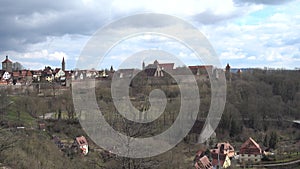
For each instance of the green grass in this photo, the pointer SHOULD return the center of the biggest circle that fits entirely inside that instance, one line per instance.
(25, 118)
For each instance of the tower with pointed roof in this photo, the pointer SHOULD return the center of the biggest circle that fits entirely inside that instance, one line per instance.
(63, 64)
(7, 65)
(227, 72)
(143, 65)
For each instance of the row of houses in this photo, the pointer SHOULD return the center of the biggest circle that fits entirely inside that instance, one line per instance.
(222, 154)
(8, 75)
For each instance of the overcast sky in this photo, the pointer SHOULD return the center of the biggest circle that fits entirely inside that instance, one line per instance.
(244, 33)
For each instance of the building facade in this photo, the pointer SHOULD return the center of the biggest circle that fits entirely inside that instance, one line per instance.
(221, 155)
(7, 65)
(250, 152)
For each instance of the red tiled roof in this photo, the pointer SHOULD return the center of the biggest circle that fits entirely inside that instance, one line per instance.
(167, 66)
(56, 70)
(203, 163)
(3, 82)
(81, 140)
(250, 147)
(28, 73)
(16, 74)
(7, 61)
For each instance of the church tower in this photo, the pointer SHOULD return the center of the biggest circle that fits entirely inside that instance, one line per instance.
(63, 64)
(7, 65)
(227, 72)
(143, 65)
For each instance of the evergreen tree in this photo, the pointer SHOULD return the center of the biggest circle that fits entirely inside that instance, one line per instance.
(266, 141)
(273, 140)
(234, 129)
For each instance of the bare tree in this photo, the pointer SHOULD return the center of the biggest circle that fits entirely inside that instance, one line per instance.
(4, 102)
(7, 140)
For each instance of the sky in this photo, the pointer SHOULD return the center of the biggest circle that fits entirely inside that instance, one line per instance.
(243, 33)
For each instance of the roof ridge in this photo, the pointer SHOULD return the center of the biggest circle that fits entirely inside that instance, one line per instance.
(254, 142)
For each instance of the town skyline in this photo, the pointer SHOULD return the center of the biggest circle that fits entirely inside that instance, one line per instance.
(20, 66)
(150, 84)
(244, 33)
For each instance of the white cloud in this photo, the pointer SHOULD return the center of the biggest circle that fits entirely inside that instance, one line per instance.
(279, 18)
(232, 53)
(42, 54)
(183, 55)
(270, 41)
(36, 19)
(34, 55)
(252, 58)
(57, 56)
(239, 32)
(183, 8)
(34, 65)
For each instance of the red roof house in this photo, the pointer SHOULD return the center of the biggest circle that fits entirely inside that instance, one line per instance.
(166, 66)
(221, 155)
(202, 162)
(250, 147)
(250, 151)
(7, 65)
(83, 144)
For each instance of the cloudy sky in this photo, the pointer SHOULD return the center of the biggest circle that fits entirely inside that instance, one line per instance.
(244, 33)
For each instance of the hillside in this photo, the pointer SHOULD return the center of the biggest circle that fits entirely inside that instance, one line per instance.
(260, 104)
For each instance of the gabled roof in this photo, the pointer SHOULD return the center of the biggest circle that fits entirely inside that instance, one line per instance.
(202, 161)
(250, 141)
(194, 69)
(56, 70)
(23, 73)
(81, 140)
(28, 73)
(167, 66)
(7, 60)
(223, 148)
(251, 146)
(151, 66)
(164, 66)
